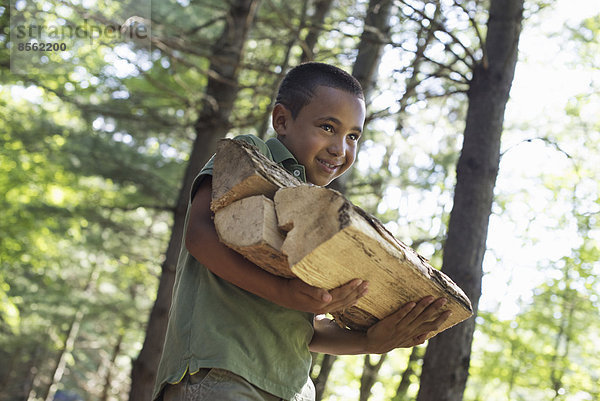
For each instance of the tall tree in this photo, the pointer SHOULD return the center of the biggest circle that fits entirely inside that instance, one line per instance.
(212, 124)
(370, 49)
(447, 358)
(320, 381)
(316, 28)
(374, 37)
(416, 355)
(369, 376)
(69, 344)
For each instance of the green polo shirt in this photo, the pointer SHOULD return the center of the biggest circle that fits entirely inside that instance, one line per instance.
(215, 324)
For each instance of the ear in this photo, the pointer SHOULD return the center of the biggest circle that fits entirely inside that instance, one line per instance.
(280, 118)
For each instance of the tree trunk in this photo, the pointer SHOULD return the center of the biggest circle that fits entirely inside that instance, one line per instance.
(72, 333)
(266, 121)
(369, 376)
(407, 375)
(212, 124)
(372, 41)
(111, 367)
(322, 7)
(447, 358)
(321, 380)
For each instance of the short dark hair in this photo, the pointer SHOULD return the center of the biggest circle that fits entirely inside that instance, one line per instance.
(299, 84)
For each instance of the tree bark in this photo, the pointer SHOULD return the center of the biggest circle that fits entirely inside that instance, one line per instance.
(69, 343)
(369, 376)
(372, 41)
(447, 358)
(321, 380)
(322, 7)
(211, 125)
(407, 375)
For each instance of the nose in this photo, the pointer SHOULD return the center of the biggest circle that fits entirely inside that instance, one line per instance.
(337, 146)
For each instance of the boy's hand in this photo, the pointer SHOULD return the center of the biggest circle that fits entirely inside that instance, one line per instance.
(300, 296)
(408, 326)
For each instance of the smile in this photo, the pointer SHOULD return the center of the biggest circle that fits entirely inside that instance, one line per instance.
(329, 166)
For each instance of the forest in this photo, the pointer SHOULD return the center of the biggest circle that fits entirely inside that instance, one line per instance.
(479, 151)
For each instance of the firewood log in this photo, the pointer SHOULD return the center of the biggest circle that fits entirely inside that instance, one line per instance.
(240, 171)
(249, 226)
(330, 242)
(317, 235)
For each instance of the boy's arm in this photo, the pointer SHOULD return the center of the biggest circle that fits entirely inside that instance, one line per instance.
(203, 243)
(407, 327)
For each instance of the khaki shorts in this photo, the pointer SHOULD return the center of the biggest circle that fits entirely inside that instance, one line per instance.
(222, 385)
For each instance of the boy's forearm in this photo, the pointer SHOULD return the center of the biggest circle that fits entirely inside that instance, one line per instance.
(203, 244)
(329, 338)
(202, 241)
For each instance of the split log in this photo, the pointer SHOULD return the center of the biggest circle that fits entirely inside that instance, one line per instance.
(330, 242)
(316, 234)
(240, 171)
(249, 226)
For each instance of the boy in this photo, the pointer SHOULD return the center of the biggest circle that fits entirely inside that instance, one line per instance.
(237, 332)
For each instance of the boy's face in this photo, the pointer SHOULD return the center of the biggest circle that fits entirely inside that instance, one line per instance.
(324, 136)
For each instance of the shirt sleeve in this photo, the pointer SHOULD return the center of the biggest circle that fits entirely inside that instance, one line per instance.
(208, 167)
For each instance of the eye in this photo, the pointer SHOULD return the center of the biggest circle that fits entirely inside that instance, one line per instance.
(354, 137)
(327, 127)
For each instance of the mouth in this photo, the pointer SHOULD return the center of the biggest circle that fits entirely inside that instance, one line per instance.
(329, 166)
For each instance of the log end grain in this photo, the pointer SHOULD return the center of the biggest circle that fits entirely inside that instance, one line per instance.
(249, 226)
(240, 171)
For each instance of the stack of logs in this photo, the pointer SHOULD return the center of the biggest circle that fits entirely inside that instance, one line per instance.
(299, 230)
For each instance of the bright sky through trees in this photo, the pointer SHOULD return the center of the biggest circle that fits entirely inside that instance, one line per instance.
(545, 80)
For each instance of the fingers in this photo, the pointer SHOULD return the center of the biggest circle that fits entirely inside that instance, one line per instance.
(410, 311)
(318, 300)
(426, 325)
(352, 290)
(319, 295)
(305, 297)
(433, 326)
(436, 324)
(348, 294)
(337, 299)
(422, 311)
(399, 316)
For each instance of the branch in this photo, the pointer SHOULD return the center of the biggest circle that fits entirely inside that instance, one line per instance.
(448, 68)
(477, 32)
(539, 138)
(205, 25)
(439, 26)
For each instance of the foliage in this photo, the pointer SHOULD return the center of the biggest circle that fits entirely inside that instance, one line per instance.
(91, 160)
(75, 237)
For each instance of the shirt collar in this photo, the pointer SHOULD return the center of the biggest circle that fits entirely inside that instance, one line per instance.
(282, 155)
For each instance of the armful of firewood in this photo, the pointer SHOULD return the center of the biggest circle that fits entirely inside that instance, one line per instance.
(315, 233)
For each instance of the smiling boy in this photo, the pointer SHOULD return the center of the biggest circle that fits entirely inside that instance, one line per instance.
(237, 332)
